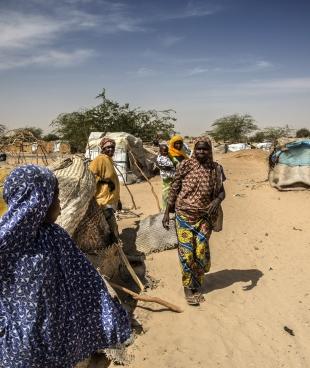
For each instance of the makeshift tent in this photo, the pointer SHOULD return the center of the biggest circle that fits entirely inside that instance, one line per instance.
(238, 147)
(290, 166)
(130, 155)
(25, 147)
(21, 143)
(266, 146)
(57, 146)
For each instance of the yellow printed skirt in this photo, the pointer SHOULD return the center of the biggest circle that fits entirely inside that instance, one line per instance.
(193, 249)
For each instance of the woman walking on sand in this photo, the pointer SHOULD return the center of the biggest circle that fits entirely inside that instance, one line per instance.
(55, 309)
(195, 196)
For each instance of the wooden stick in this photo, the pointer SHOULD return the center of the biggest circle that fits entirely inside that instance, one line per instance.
(126, 186)
(128, 266)
(141, 171)
(44, 159)
(146, 298)
(126, 213)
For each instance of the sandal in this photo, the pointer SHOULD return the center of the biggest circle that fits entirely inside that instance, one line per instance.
(190, 297)
(199, 296)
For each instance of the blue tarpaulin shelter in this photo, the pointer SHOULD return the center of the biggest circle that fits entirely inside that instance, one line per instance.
(291, 166)
(293, 154)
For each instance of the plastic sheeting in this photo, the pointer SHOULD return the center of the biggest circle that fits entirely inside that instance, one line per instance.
(264, 146)
(292, 166)
(293, 154)
(127, 146)
(238, 147)
(284, 177)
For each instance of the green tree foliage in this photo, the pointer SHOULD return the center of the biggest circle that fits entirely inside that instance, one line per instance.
(50, 137)
(269, 134)
(258, 137)
(303, 133)
(233, 128)
(273, 134)
(110, 116)
(37, 132)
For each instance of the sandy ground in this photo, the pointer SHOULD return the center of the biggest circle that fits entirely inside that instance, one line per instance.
(258, 284)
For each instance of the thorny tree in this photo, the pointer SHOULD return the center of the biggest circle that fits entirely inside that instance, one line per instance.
(110, 116)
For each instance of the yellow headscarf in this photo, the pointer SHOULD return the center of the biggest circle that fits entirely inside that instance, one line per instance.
(173, 152)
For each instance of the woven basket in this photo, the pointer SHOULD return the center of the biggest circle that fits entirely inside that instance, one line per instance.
(107, 261)
(93, 231)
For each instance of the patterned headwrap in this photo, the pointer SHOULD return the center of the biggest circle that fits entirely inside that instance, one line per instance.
(173, 152)
(204, 139)
(29, 192)
(49, 291)
(105, 141)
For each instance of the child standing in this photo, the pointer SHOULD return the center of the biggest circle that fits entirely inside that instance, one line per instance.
(167, 171)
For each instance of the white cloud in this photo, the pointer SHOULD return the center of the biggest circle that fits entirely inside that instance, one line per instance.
(143, 72)
(245, 66)
(170, 40)
(196, 71)
(280, 85)
(54, 58)
(164, 58)
(259, 88)
(263, 64)
(21, 31)
(192, 60)
(60, 58)
(30, 39)
(33, 34)
(191, 10)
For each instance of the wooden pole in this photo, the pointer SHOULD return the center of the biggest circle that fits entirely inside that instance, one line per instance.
(126, 186)
(44, 159)
(128, 266)
(146, 298)
(141, 171)
(37, 154)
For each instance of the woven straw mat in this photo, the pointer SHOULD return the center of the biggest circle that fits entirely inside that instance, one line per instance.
(77, 186)
(152, 237)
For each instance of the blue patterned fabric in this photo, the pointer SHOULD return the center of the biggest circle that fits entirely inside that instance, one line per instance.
(55, 309)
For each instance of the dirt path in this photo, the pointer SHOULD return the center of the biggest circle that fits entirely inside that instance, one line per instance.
(258, 284)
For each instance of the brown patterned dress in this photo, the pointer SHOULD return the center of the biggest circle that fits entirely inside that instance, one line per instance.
(194, 187)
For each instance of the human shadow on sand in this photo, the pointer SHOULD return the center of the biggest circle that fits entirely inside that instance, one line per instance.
(222, 279)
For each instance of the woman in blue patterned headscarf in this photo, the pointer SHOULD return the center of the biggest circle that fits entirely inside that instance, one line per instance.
(55, 309)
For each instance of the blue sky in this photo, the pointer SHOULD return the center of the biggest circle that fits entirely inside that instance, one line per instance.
(203, 59)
